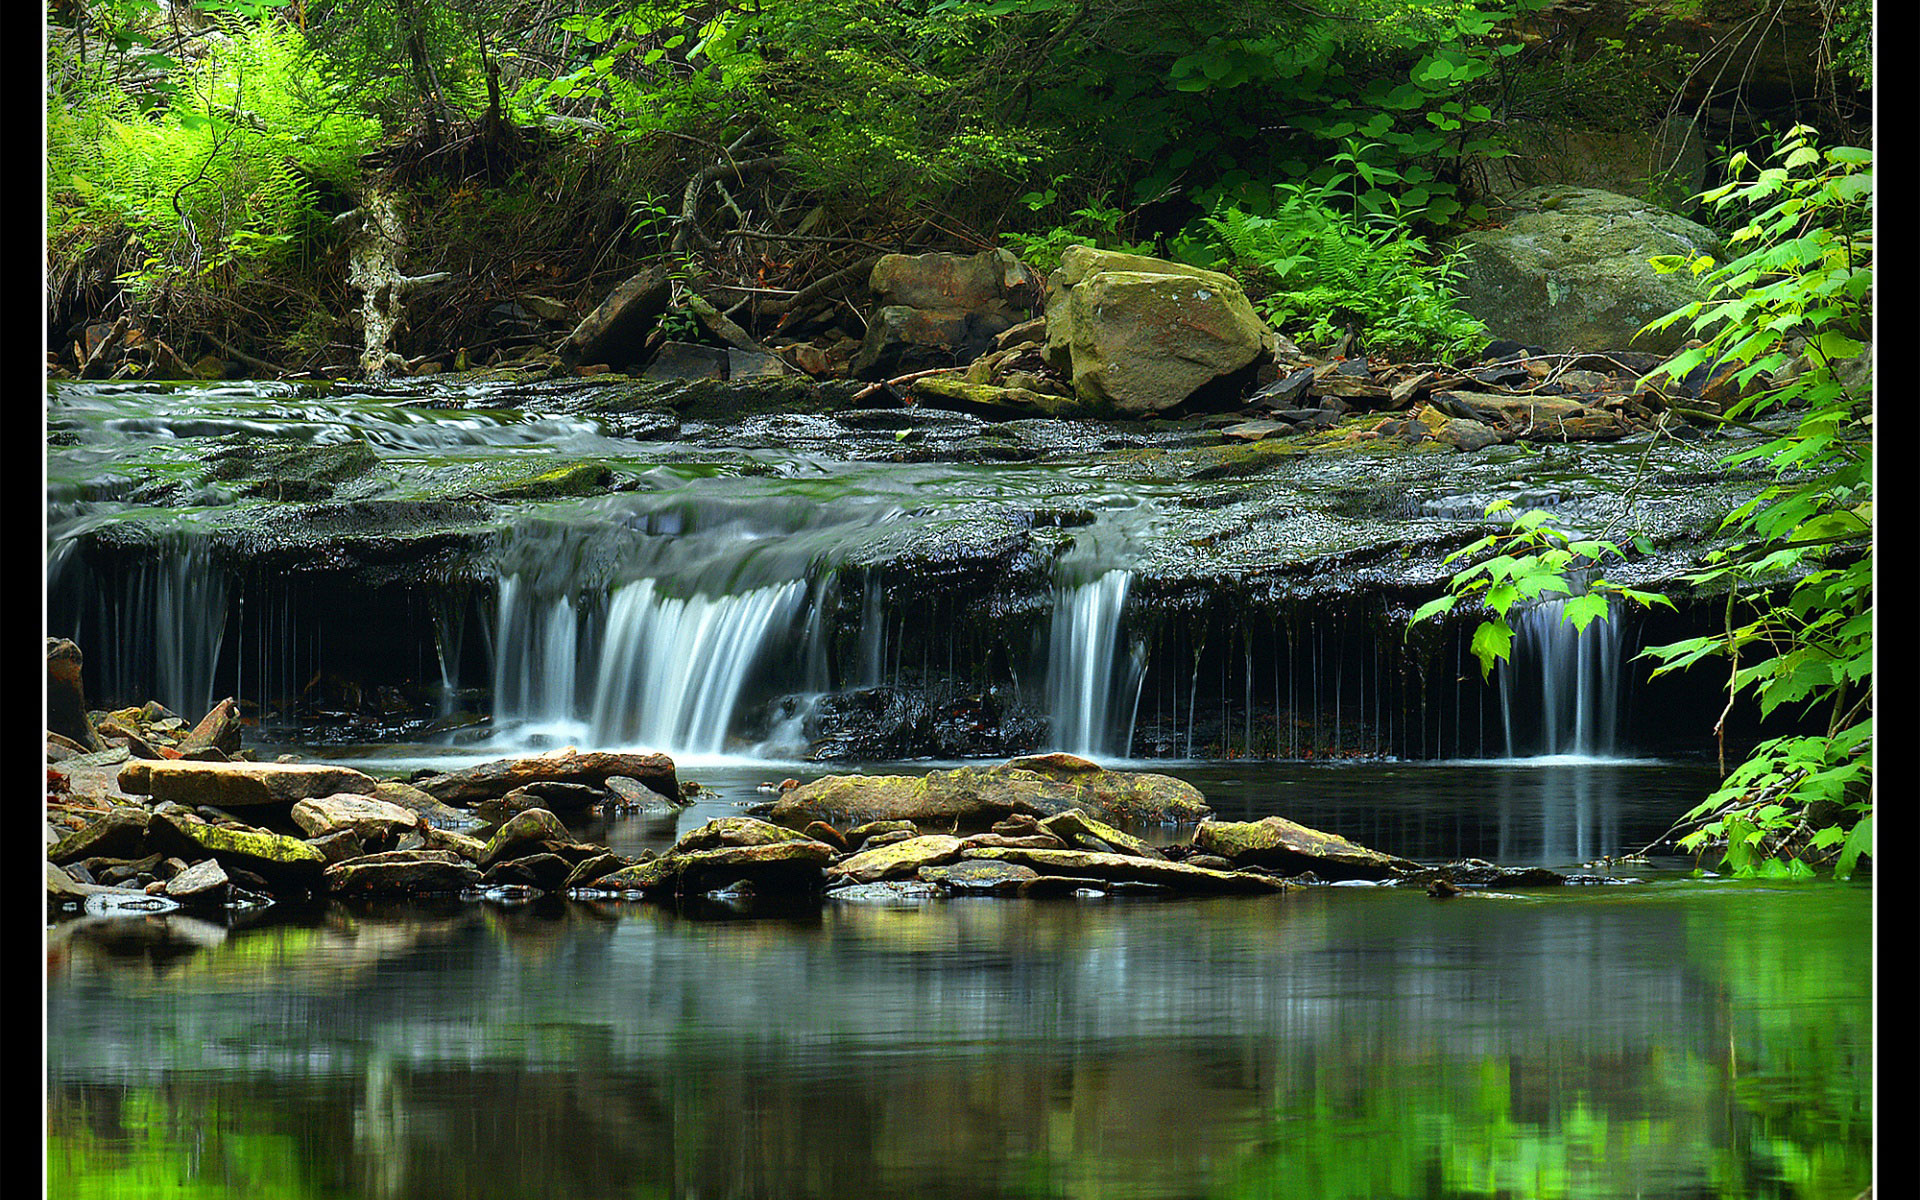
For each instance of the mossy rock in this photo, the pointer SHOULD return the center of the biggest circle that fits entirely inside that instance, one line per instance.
(1292, 848)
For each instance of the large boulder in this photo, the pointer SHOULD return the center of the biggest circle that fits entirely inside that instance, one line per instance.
(939, 310)
(1141, 335)
(1569, 270)
(974, 798)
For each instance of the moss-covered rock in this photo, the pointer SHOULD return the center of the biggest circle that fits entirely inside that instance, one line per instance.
(972, 799)
(1292, 848)
(898, 860)
(786, 869)
(1569, 270)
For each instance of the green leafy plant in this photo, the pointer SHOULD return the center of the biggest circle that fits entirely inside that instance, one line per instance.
(1785, 324)
(1096, 224)
(224, 179)
(1783, 329)
(1320, 270)
(1526, 562)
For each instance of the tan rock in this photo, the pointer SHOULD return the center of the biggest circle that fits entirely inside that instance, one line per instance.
(368, 818)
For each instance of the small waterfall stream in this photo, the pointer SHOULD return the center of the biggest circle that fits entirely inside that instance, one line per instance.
(1561, 691)
(1090, 684)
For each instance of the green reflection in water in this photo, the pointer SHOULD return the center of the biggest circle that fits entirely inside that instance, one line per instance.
(1670, 1040)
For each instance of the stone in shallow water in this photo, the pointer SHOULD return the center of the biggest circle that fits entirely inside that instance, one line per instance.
(1292, 848)
(979, 877)
(899, 859)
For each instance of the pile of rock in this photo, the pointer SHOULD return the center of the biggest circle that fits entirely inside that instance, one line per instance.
(168, 833)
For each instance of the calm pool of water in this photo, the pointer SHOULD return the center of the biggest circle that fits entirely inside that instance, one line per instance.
(1678, 1037)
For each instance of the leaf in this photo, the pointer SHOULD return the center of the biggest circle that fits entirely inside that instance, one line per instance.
(1492, 642)
(1581, 611)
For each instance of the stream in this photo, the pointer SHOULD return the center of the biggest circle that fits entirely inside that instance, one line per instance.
(440, 575)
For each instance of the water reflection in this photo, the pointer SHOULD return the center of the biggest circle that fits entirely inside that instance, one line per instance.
(1325, 1044)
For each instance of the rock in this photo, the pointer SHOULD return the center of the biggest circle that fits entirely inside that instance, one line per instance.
(240, 784)
(1479, 874)
(494, 779)
(554, 797)
(205, 882)
(470, 848)
(1536, 418)
(1570, 270)
(974, 798)
(522, 829)
(686, 360)
(1142, 335)
(615, 333)
(1084, 864)
(820, 831)
(121, 833)
(897, 860)
(66, 703)
(1069, 827)
(340, 846)
(585, 873)
(1292, 848)
(436, 814)
(781, 868)
(368, 819)
(632, 795)
(1458, 432)
(991, 281)
(284, 863)
(979, 876)
(863, 833)
(902, 340)
(401, 872)
(735, 831)
(992, 401)
(545, 871)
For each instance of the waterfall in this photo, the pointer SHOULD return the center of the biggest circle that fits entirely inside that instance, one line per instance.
(655, 670)
(1560, 692)
(156, 626)
(1087, 689)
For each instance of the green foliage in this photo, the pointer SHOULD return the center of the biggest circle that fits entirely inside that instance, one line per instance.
(1096, 224)
(1784, 323)
(221, 182)
(1527, 562)
(1321, 270)
(1786, 319)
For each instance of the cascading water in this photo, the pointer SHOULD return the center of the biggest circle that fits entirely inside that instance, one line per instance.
(1560, 692)
(656, 670)
(1088, 687)
(160, 623)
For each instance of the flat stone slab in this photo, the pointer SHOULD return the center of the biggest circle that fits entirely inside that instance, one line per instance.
(1116, 868)
(979, 876)
(973, 799)
(1292, 848)
(782, 868)
(492, 780)
(283, 861)
(405, 872)
(240, 784)
(898, 860)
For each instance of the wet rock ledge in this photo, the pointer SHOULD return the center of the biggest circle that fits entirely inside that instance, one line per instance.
(159, 831)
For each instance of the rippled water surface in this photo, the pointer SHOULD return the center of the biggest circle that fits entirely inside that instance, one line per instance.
(1674, 1037)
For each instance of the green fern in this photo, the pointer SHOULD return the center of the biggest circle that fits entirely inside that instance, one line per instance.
(1317, 270)
(225, 181)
